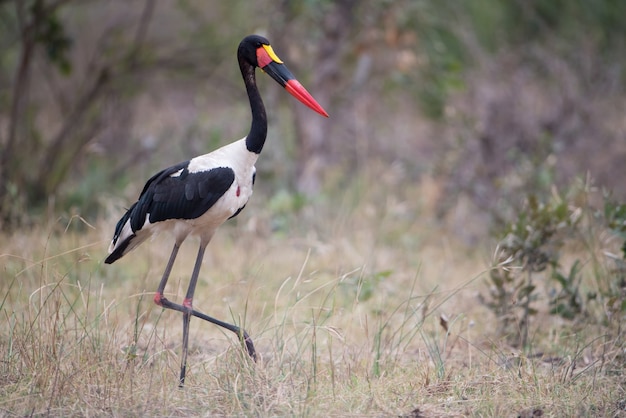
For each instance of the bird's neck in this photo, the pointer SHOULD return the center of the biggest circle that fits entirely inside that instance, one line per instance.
(258, 130)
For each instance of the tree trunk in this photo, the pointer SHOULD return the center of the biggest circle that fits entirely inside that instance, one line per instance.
(329, 50)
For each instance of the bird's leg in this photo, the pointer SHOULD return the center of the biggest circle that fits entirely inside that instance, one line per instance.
(187, 310)
(183, 361)
(241, 333)
(158, 296)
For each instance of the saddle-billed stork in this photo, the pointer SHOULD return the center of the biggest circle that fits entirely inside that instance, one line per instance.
(195, 197)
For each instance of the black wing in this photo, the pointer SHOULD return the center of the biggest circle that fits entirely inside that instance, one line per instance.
(173, 193)
(183, 196)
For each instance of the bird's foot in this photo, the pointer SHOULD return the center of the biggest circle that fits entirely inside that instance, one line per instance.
(159, 299)
(187, 306)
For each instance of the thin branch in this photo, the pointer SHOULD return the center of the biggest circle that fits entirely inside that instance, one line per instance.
(142, 29)
(28, 30)
(71, 122)
(20, 88)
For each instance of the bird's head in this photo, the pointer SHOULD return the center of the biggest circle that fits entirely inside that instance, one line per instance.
(257, 51)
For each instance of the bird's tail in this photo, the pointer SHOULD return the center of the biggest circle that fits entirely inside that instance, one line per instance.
(124, 238)
(123, 247)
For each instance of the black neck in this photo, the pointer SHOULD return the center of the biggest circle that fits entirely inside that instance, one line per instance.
(258, 130)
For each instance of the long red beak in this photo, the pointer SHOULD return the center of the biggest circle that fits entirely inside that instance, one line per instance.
(296, 89)
(274, 67)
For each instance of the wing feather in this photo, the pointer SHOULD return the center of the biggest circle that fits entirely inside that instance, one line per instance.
(173, 193)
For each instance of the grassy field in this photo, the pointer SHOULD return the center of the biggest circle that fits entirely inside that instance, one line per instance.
(363, 305)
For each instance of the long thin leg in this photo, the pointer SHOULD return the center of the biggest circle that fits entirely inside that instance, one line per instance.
(241, 333)
(188, 311)
(183, 360)
(158, 297)
(187, 306)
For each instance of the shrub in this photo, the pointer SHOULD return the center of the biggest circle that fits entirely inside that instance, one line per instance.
(531, 273)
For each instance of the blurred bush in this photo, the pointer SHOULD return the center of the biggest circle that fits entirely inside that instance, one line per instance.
(534, 273)
(493, 99)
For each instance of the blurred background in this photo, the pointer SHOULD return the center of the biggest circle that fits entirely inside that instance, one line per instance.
(470, 104)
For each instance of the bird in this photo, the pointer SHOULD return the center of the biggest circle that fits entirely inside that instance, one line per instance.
(195, 197)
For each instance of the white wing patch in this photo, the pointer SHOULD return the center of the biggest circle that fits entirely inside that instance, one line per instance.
(178, 173)
(226, 156)
(126, 232)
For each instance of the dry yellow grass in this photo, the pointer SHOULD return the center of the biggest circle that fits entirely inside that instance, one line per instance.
(349, 316)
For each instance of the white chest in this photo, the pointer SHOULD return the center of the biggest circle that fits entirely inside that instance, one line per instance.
(236, 157)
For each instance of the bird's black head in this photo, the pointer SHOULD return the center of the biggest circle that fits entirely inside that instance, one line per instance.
(248, 48)
(256, 51)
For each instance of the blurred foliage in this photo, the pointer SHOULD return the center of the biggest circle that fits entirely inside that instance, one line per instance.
(448, 32)
(598, 22)
(70, 76)
(535, 104)
(284, 206)
(51, 34)
(615, 215)
(521, 95)
(530, 274)
(530, 245)
(498, 24)
(363, 287)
